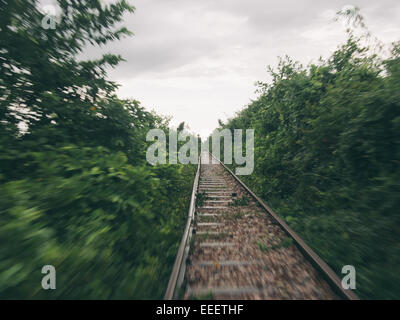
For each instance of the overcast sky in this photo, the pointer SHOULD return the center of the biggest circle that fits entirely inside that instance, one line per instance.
(198, 60)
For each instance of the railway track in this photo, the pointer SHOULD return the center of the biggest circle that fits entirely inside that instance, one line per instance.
(235, 247)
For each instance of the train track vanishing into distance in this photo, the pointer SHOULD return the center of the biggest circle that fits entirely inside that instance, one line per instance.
(235, 247)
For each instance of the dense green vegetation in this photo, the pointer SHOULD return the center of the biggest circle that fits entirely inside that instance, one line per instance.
(327, 156)
(76, 191)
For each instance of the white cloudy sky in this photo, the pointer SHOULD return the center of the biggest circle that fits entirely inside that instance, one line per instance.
(198, 60)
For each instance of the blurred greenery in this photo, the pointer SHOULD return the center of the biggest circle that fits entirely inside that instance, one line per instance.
(76, 191)
(327, 155)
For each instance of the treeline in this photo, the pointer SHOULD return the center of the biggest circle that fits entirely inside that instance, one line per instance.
(327, 157)
(76, 191)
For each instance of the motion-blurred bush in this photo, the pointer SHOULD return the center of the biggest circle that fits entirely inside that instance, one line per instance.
(327, 157)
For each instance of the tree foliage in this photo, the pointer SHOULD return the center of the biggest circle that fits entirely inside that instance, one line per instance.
(76, 191)
(327, 155)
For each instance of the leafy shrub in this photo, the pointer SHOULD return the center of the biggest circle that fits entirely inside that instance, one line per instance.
(327, 153)
(76, 191)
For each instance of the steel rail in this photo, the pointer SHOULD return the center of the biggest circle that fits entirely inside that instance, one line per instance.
(179, 268)
(328, 274)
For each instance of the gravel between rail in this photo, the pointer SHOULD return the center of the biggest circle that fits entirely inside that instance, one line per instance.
(239, 252)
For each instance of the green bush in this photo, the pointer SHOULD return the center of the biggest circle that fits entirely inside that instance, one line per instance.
(76, 191)
(327, 155)
(108, 227)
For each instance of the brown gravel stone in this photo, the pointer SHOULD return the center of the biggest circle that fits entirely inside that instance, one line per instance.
(273, 267)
